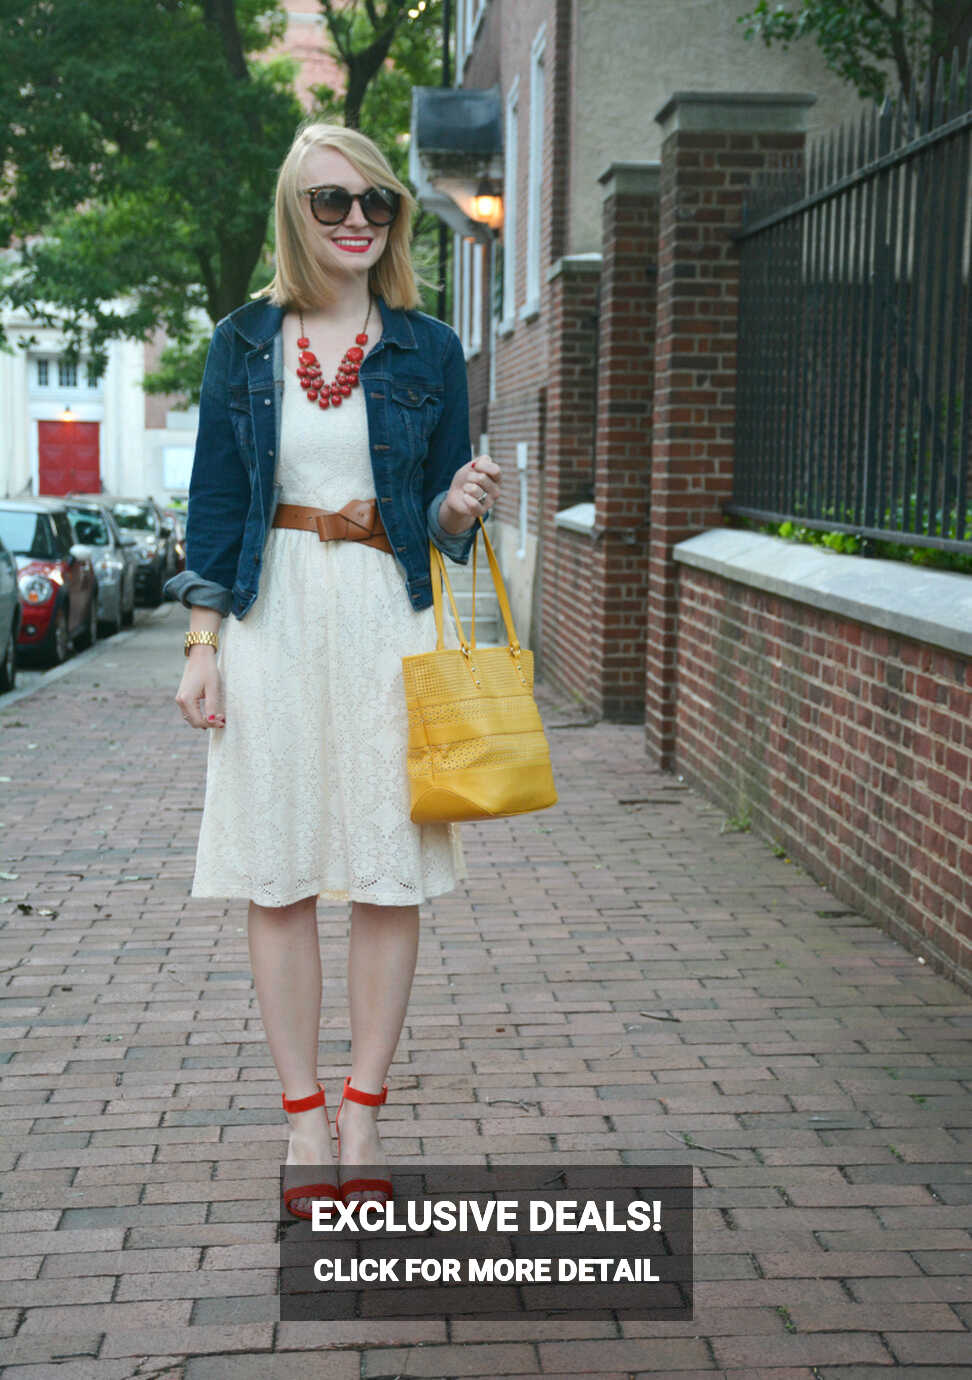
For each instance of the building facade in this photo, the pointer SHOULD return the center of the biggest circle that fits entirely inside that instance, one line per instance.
(556, 308)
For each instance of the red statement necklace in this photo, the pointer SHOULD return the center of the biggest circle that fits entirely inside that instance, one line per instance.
(316, 390)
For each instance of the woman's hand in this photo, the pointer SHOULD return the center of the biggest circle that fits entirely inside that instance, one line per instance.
(474, 490)
(200, 694)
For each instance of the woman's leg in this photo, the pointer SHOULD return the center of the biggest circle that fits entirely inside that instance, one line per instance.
(286, 962)
(381, 965)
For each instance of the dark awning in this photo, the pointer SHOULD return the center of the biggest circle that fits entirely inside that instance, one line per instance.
(457, 120)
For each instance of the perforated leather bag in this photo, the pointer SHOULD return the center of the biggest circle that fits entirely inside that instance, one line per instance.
(476, 745)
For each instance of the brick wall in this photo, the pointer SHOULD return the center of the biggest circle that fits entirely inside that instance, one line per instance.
(705, 171)
(622, 484)
(563, 641)
(850, 745)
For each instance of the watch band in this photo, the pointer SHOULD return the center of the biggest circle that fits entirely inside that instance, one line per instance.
(193, 639)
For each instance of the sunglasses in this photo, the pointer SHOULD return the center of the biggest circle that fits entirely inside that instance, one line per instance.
(332, 205)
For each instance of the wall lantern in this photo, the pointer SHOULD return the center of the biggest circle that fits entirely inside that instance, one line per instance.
(67, 415)
(487, 204)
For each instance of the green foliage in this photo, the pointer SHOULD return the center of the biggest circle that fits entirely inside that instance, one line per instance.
(145, 152)
(853, 544)
(860, 39)
(382, 108)
(141, 141)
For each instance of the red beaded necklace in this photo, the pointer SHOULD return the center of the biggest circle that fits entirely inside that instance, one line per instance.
(309, 370)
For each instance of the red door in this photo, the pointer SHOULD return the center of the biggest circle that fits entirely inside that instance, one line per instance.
(68, 457)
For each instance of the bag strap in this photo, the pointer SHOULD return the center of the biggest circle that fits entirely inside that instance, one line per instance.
(439, 574)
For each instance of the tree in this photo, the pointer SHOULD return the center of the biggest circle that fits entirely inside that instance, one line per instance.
(140, 160)
(859, 38)
(386, 49)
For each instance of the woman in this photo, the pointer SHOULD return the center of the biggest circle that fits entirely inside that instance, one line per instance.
(328, 392)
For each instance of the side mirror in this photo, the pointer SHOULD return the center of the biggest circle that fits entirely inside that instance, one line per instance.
(166, 529)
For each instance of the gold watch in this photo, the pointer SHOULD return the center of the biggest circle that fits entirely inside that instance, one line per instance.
(193, 639)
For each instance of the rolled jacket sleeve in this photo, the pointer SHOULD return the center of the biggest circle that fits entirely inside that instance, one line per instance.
(219, 494)
(449, 450)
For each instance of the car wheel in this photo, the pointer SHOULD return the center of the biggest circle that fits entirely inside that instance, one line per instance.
(8, 666)
(87, 636)
(57, 648)
(109, 626)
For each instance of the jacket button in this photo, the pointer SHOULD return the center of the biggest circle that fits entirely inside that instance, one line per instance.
(266, 356)
(266, 402)
(269, 452)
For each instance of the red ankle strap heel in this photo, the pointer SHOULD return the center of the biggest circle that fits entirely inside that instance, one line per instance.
(352, 1094)
(318, 1191)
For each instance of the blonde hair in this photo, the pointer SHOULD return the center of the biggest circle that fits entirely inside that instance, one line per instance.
(300, 280)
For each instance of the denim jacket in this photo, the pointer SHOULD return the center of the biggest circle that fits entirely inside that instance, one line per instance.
(416, 398)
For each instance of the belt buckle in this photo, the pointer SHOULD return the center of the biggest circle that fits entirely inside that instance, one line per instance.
(320, 522)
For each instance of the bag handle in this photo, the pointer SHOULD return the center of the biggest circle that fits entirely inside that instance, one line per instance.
(439, 574)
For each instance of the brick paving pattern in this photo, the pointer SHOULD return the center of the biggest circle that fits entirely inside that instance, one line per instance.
(810, 1069)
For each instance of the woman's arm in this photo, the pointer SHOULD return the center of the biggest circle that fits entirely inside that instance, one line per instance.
(219, 495)
(449, 451)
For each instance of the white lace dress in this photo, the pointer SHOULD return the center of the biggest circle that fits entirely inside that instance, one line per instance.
(306, 786)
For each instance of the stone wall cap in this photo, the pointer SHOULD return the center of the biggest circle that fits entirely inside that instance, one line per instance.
(576, 263)
(738, 111)
(933, 606)
(648, 166)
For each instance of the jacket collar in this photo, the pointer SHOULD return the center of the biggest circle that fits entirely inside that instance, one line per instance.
(259, 321)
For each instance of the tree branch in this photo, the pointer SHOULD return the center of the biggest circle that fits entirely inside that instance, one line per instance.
(221, 16)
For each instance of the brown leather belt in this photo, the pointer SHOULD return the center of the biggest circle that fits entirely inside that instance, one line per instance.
(356, 521)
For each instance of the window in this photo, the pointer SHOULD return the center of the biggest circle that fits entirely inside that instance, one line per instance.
(468, 15)
(43, 373)
(535, 177)
(91, 376)
(509, 204)
(67, 374)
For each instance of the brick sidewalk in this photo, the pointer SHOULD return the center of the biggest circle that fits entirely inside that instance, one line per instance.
(813, 1072)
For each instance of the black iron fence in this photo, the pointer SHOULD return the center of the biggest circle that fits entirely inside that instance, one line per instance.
(854, 398)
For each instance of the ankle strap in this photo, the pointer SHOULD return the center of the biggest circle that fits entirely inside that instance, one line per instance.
(303, 1104)
(369, 1099)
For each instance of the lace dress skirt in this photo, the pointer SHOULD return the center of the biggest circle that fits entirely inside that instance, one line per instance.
(306, 786)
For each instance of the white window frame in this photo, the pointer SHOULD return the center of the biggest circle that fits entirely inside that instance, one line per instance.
(510, 208)
(538, 87)
(457, 283)
(466, 332)
(478, 253)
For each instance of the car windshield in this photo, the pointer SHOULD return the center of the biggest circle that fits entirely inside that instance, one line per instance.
(27, 534)
(89, 526)
(138, 517)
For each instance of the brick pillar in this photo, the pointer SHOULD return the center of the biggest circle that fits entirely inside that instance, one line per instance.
(714, 145)
(562, 636)
(626, 370)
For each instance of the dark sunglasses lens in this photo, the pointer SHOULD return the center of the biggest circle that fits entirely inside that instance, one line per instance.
(330, 205)
(380, 205)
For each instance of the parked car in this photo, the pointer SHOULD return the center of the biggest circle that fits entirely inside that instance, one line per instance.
(9, 619)
(143, 519)
(113, 556)
(55, 578)
(177, 516)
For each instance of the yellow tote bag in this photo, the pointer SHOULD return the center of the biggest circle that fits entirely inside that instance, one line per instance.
(476, 746)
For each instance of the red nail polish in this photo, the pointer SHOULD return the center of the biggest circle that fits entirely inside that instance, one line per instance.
(211, 717)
